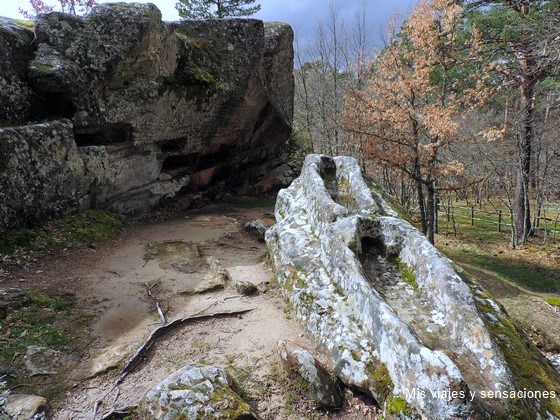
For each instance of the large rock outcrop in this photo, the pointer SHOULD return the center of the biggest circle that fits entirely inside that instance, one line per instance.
(150, 108)
(398, 320)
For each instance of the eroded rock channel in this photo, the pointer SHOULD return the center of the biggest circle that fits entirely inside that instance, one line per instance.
(397, 318)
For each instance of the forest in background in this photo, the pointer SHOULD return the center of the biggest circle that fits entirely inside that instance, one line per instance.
(458, 107)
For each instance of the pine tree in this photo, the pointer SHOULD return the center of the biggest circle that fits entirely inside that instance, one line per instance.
(211, 9)
(520, 39)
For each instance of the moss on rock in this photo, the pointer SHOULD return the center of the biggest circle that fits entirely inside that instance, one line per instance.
(529, 369)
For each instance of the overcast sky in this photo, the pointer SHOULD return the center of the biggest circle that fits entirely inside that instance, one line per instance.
(303, 15)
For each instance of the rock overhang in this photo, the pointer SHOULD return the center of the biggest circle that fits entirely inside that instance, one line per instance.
(191, 108)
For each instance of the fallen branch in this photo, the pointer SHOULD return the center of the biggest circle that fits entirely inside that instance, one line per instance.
(117, 396)
(96, 408)
(156, 303)
(118, 413)
(158, 332)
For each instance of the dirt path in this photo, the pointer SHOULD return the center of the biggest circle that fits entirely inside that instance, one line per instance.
(174, 258)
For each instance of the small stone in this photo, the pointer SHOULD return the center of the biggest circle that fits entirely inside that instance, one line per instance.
(24, 406)
(195, 392)
(214, 280)
(246, 288)
(102, 362)
(321, 387)
(257, 227)
(41, 360)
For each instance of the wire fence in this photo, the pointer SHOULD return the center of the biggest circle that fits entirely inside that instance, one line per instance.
(543, 226)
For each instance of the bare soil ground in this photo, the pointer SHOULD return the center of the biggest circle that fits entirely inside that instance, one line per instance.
(109, 282)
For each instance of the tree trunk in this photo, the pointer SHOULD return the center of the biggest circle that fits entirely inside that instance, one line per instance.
(422, 207)
(431, 216)
(522, 204)
(420, 192)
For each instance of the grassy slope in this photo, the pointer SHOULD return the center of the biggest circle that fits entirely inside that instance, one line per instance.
(526, 280)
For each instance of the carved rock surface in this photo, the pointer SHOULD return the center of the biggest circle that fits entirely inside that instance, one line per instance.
(398, 320)
(195, 392)
(154, 108)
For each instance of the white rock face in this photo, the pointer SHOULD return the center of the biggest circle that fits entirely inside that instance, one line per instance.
(397, 319)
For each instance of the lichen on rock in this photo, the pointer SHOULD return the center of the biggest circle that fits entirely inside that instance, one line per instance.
(396, 318)
(314, 378)
(195, 392)
(193, 108)
(16, 49)
(43, 173)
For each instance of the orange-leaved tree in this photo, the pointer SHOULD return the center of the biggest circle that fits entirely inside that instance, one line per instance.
(74, 7)
(417, 88)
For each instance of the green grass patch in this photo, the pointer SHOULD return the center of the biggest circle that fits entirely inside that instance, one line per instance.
(71, 231)
(40, 300)
(51, 321)
(34, 324)
(530, 277)
(476, 235)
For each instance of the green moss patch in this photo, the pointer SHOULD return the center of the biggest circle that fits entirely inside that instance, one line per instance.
(553, 300)
(383, 383)
(69, 232)
(529, 368)
(34, 323)
(41, 66)
(407, 274)
(29, 24)
(293, 281)
(398, 406)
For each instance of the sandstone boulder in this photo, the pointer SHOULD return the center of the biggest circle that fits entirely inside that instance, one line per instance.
(195, 392)
(43, 174)
(200, 102)
(397, 318)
